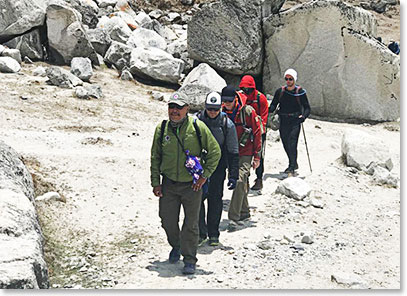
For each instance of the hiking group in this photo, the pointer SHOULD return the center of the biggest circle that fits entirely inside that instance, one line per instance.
(191, 154)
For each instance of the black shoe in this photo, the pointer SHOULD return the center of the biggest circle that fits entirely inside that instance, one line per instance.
(201, 241)
(174, 255)
(258, 185)
(214, 241)
(189, 268)
(244, 217)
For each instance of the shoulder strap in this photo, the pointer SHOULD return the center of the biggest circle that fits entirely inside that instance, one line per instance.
(243, 115)
(258, 100)
(297, 90)
(163, 124)
(198, 133)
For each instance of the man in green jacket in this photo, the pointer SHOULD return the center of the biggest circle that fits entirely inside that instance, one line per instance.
(177, 187)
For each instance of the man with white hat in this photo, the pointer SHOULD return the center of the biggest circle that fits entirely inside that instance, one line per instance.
(224, 131)
(294, 109)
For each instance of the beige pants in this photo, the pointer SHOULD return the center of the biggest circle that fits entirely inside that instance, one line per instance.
(239, 204)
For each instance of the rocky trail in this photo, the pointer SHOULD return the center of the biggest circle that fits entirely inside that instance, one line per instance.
(105, 232)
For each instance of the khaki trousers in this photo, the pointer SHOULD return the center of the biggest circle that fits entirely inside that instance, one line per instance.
(239, 204)
(176, 194)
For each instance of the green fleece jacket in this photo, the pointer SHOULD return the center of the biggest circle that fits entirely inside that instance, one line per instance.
(168, 158)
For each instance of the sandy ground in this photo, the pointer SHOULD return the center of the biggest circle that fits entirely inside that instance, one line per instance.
(108, 234)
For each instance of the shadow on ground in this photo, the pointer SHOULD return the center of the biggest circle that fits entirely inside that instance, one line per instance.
(166, 269)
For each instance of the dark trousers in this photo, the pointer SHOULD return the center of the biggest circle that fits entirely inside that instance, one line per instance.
(260, 169)
(176, 194)
(210, 227)
(289, 133)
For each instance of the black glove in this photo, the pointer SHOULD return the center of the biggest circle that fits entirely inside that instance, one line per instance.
(301, 119)
(232, 184)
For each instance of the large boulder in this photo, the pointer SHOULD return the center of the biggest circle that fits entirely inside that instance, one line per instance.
(20, 16)
(199, 82)
(154, 63)
(100, 40)
(118, 55)
(228, 36)
(66, 35)
(22, 264)
(116, 28)
(29, 44)
(362, 151)
(348, 74)
(82, 68)
(89, 11)
(146, 38)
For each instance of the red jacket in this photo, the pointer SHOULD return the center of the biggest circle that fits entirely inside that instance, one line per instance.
(248, 81)
(252, 147)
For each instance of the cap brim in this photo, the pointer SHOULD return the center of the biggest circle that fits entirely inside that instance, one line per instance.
(177, 102)
(228, 99)
(212, 106)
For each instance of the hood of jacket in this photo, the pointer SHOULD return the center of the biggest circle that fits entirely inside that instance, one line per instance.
(248, 81)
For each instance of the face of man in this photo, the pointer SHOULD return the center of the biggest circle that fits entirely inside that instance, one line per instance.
(289, 80)
(212, 112)
(176, 113)
(229, 105)
(247, 90)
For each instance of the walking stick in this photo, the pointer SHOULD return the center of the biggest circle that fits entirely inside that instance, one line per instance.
(306, 146)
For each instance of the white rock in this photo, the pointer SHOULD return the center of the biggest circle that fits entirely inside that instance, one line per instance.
(294, 187)
(146, 38)
(360, 150)
(82, 68)
(50, 196)
(9, 65)
(40, 71)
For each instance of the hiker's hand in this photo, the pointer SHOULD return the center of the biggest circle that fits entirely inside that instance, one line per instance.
(256, 163)
(198, 185)
(301, 118)
(232, 184)
(157, 191)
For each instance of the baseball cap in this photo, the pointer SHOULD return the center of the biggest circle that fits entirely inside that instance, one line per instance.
(213, 100)
(228, 94)
(178, 98)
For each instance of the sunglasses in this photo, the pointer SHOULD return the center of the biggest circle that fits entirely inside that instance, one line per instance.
(175, 106)
(288, 79)
(247, 90)
(213, 109)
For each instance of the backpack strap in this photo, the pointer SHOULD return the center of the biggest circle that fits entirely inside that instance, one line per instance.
(163, 124)
(258, 100)
(198, 133)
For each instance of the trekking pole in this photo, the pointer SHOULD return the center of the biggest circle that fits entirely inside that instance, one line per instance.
(306, 146)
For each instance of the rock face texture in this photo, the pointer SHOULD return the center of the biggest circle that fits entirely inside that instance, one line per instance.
(347, 73)
(19, 16)
(228, 36)
(66, 35)
(22, 264)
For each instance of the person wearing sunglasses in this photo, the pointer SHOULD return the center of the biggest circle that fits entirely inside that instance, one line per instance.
(294, 109)
(259, 102)
(177, 186)
(249, 137)
(225, 134)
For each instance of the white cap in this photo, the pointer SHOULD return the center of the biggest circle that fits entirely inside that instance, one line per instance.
(213, 100)
(292, 73)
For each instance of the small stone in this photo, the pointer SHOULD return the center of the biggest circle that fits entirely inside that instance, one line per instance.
(288, 238)
(50, 196)
(307, 239)
(317, 203)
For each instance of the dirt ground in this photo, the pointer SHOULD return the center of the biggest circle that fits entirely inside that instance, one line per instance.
(107, 233)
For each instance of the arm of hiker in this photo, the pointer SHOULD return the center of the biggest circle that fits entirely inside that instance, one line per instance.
(275, 101)
(255, 125)
(210, 144)
(157, 190)
(155, 159)
(199, 183)
(305, 104)
(232, 145)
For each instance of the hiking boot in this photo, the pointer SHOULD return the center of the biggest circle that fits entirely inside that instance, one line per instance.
(201, 241)
(189, 268)
(290, 173)
(174, 255)
(232, 225)
(244, 217)
(258, 185)
(214, 241)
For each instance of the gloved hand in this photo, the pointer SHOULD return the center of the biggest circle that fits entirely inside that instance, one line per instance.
(301, 119)
(232, 184)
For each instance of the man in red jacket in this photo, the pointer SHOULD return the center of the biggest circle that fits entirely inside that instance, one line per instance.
(259, 102)
(249, 137)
